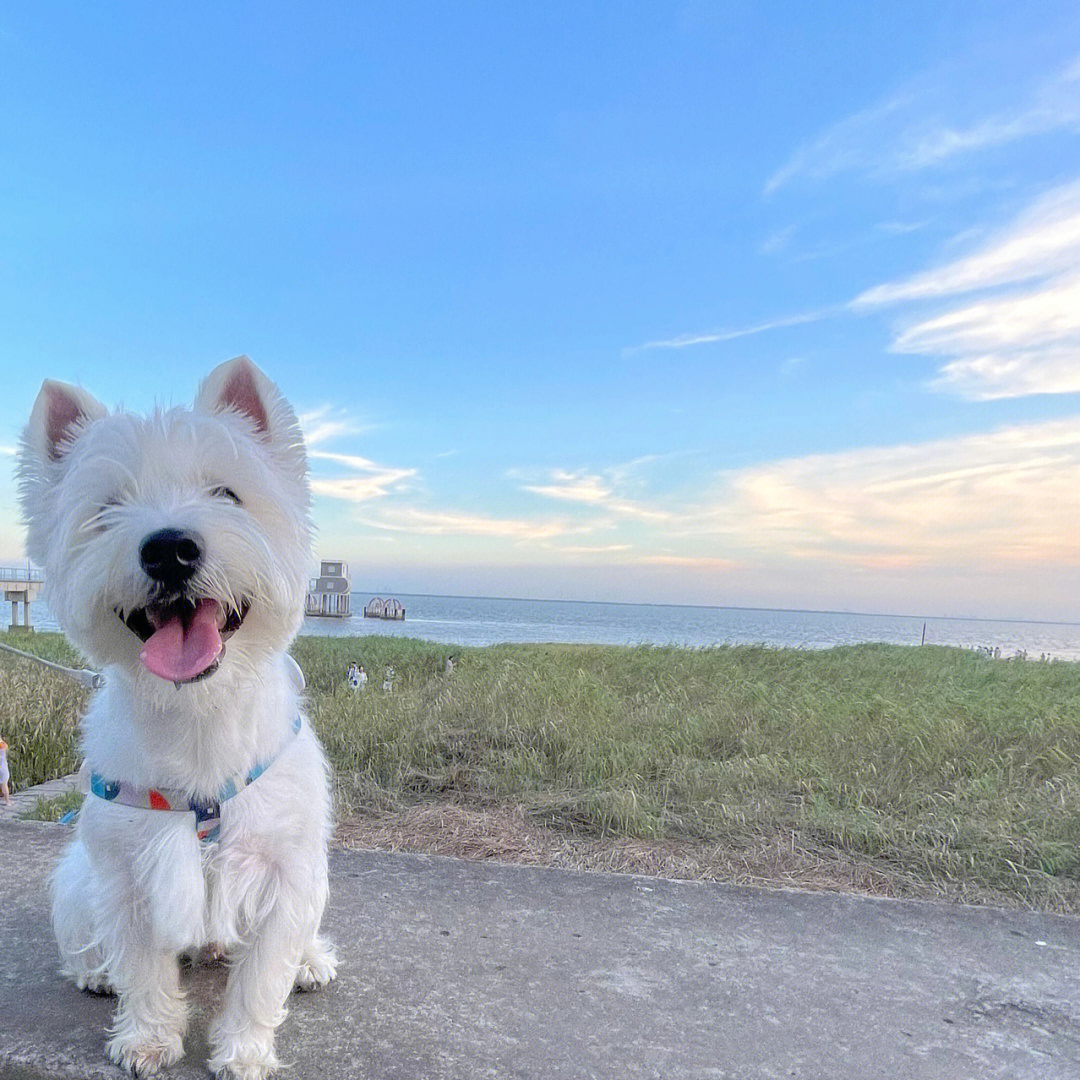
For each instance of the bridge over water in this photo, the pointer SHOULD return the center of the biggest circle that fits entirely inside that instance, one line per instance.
(21, 585)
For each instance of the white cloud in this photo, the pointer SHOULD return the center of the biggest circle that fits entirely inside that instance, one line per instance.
(1021, 334)
(594, 490)
(970, 518)
(328, 422)
(1006, 497)
(903, 134)
(1043, 240)
(849, 144)
(1049, 315)
(713, 336)
(452, 522)
(899, 228)
(989, 376)
(365, 479)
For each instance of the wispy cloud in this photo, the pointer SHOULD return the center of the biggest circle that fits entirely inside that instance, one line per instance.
(848, 144)
(904, 133)
(410, 519)
(357, 479)
(1006, 497)
(712, 336)
(598, 491)
(709, 563)
(899, 228)
(1043, 240)
(8, 451)
(590, 549)
(993, 506)
(1021, 334)
(777, 241)
(328, 422)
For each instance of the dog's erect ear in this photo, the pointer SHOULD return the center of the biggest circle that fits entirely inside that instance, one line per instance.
(58, 418)
(238, 384)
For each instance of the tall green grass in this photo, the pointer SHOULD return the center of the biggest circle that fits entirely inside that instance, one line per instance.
(934, 763)
(39, 709)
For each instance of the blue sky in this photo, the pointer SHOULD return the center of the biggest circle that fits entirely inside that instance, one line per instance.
(755, 304)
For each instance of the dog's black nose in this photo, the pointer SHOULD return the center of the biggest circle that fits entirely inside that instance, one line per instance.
(171, 556)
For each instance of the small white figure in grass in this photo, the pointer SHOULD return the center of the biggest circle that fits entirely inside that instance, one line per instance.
(5, 774)
(388, 680)
(356, 676)
(449, 665)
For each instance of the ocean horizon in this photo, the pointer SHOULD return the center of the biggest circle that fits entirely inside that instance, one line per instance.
(488, 620)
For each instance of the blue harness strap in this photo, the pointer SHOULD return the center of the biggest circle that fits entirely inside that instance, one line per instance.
(207, 811)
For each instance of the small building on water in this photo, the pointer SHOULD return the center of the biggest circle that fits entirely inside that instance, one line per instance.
(329, 594)
(377, 608)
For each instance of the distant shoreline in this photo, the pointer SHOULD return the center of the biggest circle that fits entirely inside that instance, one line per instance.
(719, 607)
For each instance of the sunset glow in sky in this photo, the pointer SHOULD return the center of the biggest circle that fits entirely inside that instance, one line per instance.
(762, 305)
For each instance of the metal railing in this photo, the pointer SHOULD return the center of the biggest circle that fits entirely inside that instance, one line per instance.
(24, 573)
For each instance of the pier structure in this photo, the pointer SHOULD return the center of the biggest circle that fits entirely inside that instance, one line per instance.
(329, 593)
(21, 585)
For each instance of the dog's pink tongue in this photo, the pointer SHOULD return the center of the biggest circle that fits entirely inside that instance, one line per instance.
(178, 652)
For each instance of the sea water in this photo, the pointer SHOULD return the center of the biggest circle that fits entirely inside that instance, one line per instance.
(474, 620)
(458, 620)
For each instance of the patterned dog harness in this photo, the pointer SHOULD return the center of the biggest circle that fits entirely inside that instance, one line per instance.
(207, 811)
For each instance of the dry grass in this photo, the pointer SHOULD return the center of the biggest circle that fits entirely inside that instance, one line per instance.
(506, 835)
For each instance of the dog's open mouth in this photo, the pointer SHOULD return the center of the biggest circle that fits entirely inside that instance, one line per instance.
(184, 639)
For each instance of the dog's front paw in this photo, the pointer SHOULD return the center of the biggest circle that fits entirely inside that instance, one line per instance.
(248, 1057)
(319, 966)
(145, 1058)
(94, 982)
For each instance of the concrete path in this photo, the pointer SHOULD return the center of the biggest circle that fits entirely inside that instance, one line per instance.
(453, 970)
(23, 802)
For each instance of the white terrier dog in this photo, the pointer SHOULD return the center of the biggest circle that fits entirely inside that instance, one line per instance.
(162, 538)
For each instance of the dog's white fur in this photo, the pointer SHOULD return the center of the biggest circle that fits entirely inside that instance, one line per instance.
(136, 886)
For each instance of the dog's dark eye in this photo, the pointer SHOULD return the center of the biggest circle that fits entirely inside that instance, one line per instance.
(223, 492)
(100, 520)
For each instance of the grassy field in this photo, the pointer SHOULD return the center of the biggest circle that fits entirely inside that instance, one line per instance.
(39, 709)
(919, 771)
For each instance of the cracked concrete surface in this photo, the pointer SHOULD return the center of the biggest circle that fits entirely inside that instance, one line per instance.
(453, 970)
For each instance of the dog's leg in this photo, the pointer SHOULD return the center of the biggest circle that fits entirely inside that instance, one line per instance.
(152, 910)
(284, 949)
(318, 961)
(148, 1028)
(73, 892)
(264, 969)
(318, 966)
